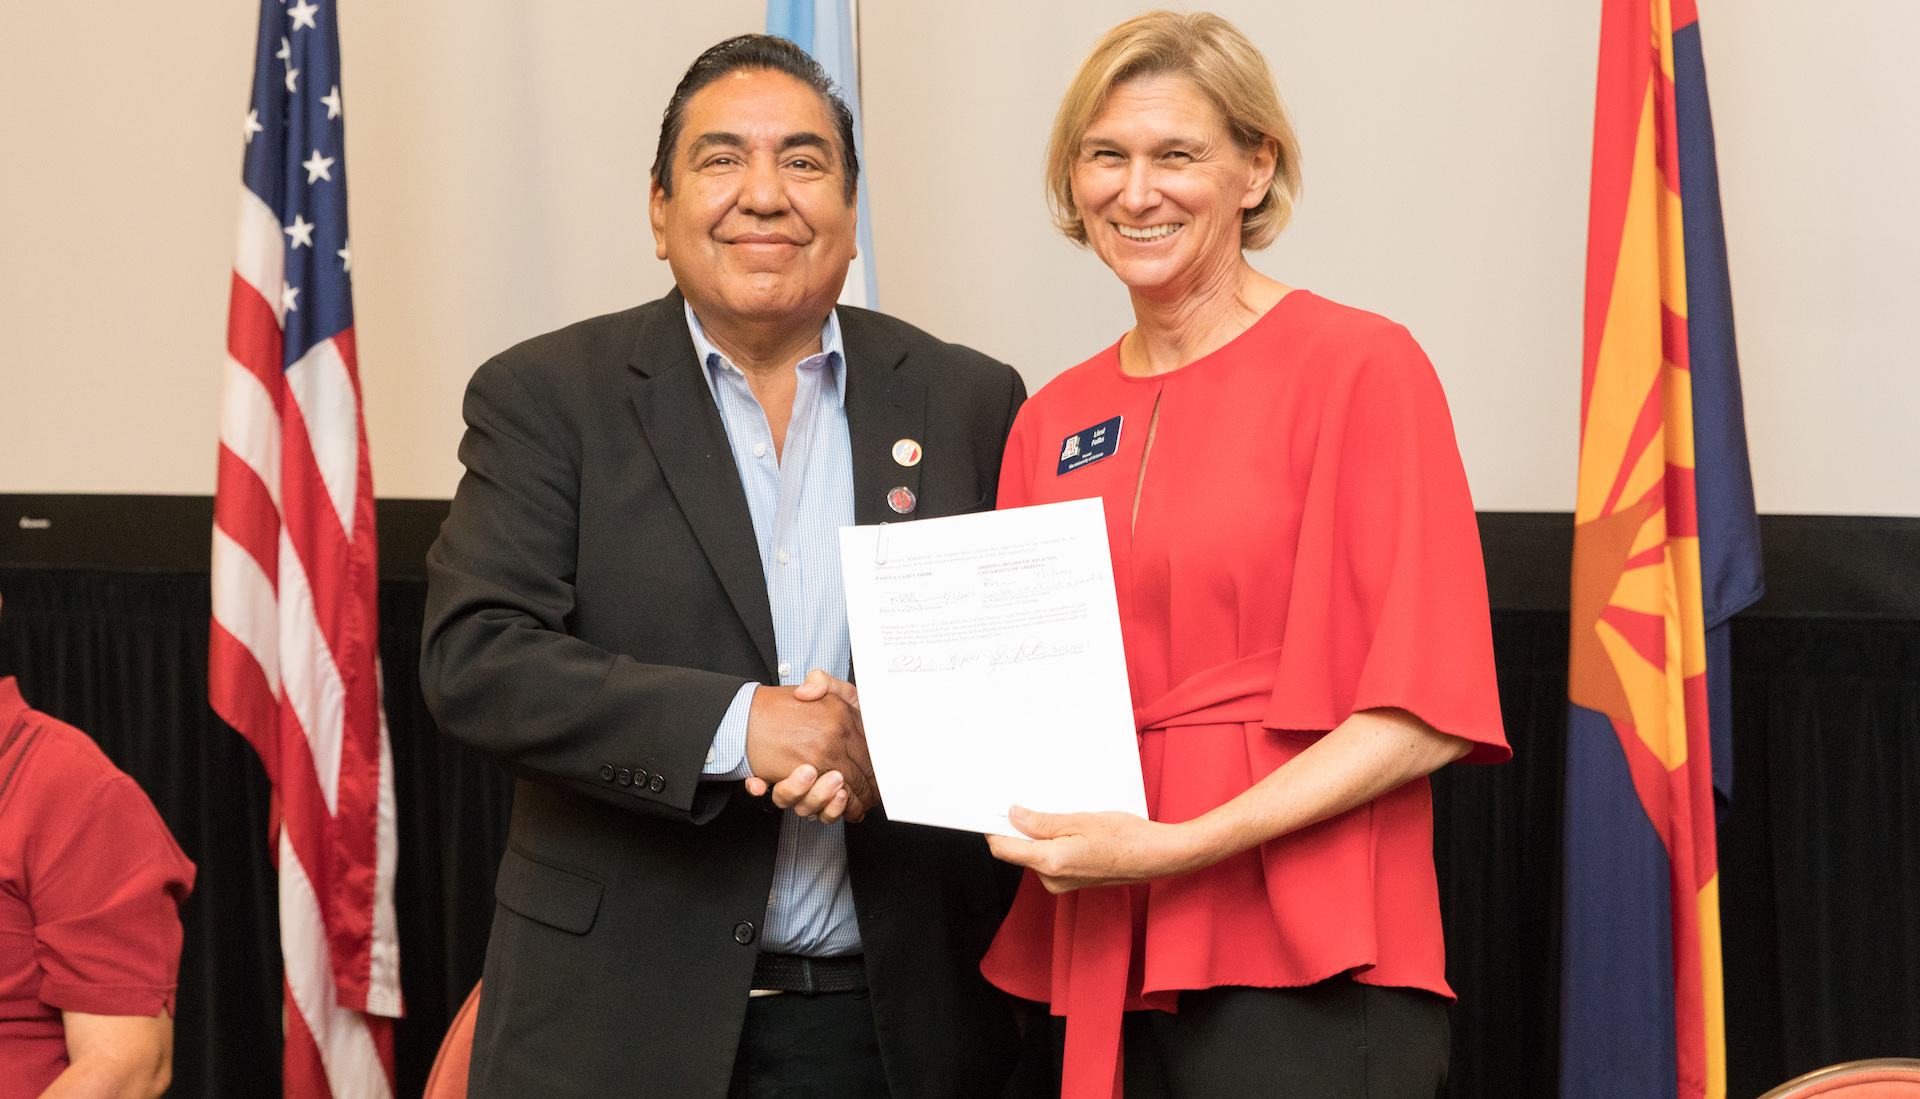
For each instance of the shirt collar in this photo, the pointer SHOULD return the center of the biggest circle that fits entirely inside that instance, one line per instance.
(832, 352)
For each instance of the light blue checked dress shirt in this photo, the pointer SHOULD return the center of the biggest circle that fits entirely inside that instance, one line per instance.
(799, 499)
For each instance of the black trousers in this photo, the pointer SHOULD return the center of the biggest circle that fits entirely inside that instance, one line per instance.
(1338, 1039)
(799, 1045)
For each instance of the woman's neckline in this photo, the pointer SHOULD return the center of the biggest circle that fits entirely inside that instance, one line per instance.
(1121, 372)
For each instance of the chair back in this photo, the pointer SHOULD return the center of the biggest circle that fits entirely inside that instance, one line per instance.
(1881, 1078)
(448, 1080)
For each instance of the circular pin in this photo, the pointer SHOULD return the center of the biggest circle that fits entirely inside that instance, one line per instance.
(907, 452)
(901, 500)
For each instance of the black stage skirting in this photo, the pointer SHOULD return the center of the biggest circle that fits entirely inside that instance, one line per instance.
(105, 623)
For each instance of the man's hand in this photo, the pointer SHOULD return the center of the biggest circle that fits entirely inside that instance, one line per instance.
(809, 747)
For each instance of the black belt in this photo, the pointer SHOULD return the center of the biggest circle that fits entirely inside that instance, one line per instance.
(794, 973)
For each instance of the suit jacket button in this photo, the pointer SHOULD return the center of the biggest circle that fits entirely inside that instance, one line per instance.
(743, 933)
(624, 777)
(658, 784)
(606, 773)
(639, 776)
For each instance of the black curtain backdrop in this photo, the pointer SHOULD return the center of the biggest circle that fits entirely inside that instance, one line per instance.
(1819, 851)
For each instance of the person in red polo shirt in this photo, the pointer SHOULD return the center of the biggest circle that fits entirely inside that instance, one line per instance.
(91, 884)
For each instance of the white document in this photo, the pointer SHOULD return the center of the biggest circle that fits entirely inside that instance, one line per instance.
(991, 673)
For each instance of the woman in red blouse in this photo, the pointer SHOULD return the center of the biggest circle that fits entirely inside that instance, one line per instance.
(1305, 611)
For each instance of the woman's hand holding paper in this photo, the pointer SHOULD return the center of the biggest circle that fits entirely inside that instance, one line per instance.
(1370, 753)
(1080, 850)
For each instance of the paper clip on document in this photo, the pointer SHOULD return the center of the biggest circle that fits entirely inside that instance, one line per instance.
(880, 546)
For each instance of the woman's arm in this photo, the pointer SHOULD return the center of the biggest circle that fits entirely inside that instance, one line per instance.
(1370, 753)
(115, 1057)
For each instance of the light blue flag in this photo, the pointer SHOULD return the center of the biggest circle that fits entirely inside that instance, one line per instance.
(825, 29)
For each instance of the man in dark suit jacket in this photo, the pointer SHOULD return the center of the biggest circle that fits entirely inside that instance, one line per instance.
(610, 617)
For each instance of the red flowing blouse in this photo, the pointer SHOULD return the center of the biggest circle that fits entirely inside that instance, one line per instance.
(90, 887)
(1305, 549)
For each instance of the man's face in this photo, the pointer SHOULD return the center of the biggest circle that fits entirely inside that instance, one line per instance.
(759, 227)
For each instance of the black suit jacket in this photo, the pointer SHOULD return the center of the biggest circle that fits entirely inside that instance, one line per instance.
(595, 602)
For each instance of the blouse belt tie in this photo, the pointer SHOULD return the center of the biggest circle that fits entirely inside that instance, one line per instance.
(1098, 922)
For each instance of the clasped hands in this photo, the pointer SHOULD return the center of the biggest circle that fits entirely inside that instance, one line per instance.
(807, 747)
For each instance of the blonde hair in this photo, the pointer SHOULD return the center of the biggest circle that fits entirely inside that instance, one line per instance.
(1223, 65)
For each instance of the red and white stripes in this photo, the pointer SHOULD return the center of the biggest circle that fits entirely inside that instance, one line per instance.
(294, 667)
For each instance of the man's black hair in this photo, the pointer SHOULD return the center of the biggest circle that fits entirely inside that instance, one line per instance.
(754, 51)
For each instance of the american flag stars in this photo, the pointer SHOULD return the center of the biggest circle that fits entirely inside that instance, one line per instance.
(300, 232)
(302, 14)
(297, 105)
(286, 58)
(295, 164)
(318, 167)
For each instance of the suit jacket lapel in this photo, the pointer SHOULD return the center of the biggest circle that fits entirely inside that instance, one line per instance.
(683, 426)
(882, 408)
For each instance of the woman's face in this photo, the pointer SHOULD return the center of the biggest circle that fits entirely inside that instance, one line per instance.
(1161, 185)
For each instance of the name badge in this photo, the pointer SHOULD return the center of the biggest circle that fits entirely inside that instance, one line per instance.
(1089, 446)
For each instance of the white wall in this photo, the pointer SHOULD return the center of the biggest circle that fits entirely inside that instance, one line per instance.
(498, 155)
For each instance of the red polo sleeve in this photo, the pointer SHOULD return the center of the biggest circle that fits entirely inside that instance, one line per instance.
(106, 881)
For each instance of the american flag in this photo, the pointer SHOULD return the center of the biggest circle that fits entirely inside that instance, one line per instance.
(294, 663)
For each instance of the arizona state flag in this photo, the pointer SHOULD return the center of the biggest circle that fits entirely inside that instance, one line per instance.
(1666, 549)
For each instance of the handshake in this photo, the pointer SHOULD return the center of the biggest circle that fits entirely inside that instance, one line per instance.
(807, 746)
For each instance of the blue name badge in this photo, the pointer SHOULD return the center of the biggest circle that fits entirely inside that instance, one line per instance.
(1089, 446)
